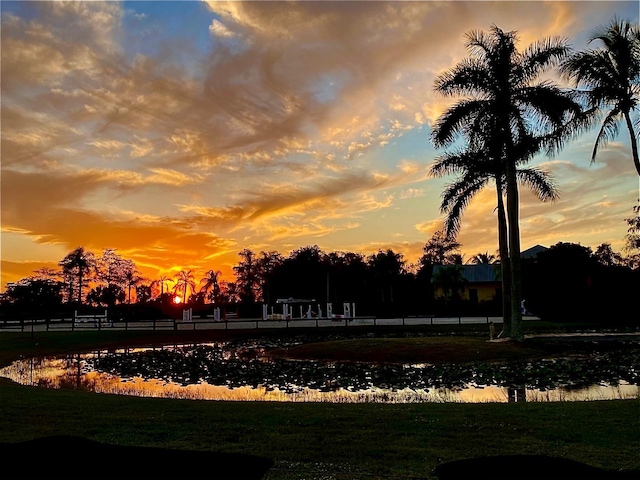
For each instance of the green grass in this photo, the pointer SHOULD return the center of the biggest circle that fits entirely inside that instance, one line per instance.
(340, 441)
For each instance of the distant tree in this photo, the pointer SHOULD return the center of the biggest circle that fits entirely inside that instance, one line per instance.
(184, 283)
(485, 258)
(78, 264)
(210, 286)
(166, 299)
(633, 235)
(132, 279)
(46, 273)
(348, 279)
(632, 240)
(247, 277)
(303, 274)
(106, 295)
(143, 293)
(605, 255)
(560, 285)
(440, 250)
(229, 292)
(266, 264)
(161, 281)
(113, 269)
(456, 258)
(35, 295)
(610, 79)
(386, 267)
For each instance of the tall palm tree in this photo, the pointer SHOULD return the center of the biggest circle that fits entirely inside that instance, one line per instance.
(161, 281)
(78, 263)
(610, 79)
(132, 279)
(504, 95)
(184, 283)
(476, 169)
(210, 282)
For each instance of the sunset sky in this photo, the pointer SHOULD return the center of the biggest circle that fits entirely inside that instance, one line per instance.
(183, 132)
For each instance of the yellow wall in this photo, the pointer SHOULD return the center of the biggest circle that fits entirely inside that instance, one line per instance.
(486, 292)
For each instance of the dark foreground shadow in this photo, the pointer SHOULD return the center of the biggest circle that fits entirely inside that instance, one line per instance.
(539, 467)
(77, 457)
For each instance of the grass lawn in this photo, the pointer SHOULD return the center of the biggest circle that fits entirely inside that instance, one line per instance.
(321, 440)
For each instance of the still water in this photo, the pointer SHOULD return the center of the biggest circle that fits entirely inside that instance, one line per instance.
(219, 372)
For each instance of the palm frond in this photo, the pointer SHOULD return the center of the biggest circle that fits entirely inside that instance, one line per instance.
(543, 55)
(456, 198)
(466, 78)
(472, 161)
(452, 122)
(540, 182)
(555, 140)
(608, 131)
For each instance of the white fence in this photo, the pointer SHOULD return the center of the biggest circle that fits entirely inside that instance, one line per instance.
(95, 318)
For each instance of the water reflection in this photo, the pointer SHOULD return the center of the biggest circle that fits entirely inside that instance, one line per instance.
(225, 372)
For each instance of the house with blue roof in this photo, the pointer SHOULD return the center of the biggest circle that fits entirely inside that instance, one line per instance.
(475, 283)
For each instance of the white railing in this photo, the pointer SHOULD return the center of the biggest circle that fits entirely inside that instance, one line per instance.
(95, 318)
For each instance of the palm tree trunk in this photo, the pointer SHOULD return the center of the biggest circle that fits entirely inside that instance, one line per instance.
(513, 215)
(80, 287)
(634, 142)
(505, 266)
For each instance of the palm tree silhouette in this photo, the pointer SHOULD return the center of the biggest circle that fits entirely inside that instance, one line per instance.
(132, 279)
(210, 282)
(184, 282)
(161, 281)
(610, 77)
(78, 263)
(485, 258)
(503, 94)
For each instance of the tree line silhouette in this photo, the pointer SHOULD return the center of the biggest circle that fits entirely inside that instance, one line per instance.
(566, 282)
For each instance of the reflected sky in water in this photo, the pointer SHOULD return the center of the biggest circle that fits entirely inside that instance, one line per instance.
(216, 372)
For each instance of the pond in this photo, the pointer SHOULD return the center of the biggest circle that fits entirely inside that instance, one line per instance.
(243, 372)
